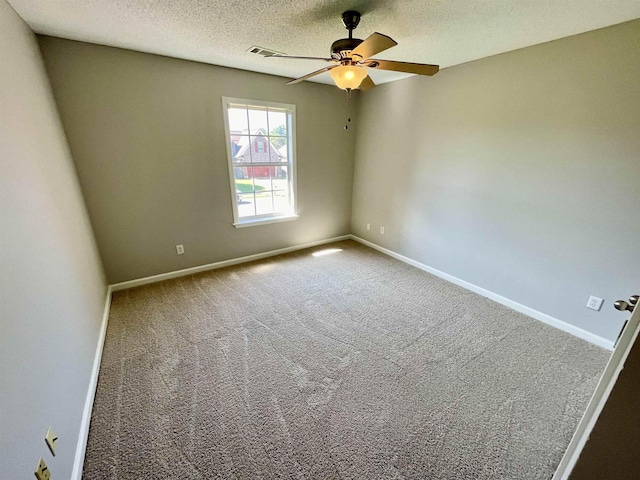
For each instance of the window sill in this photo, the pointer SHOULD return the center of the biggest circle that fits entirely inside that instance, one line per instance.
(265, 220)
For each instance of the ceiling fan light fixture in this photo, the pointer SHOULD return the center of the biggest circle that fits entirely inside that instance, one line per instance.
(348, 77)
(350, 56)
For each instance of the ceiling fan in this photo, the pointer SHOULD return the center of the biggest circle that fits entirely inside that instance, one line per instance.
(350, 58)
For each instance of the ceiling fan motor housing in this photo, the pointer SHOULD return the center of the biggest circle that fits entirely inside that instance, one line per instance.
(341, 49)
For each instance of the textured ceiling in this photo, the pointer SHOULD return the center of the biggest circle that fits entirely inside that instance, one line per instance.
(220, 32)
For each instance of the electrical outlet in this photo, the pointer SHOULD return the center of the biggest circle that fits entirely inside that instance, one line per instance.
(42, 471)
(368, 226)
(52, 441)
(180, 249)
(381, 230)
(594, 303)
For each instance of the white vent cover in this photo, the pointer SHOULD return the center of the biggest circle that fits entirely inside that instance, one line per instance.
(265, 52)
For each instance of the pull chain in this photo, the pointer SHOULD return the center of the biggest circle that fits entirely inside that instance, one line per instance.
(346, 127)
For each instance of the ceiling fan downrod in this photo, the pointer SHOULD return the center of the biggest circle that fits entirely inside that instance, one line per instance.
(341, 49)
(350, 19)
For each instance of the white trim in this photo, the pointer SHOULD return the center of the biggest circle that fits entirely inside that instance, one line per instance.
(600, 396)
(83, 435)
(225, 263)
(518, 307)
(253, 222)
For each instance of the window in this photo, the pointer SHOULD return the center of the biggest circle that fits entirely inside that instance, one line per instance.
(261, 154)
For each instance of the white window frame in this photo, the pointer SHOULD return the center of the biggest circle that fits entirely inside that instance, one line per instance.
(292, 174)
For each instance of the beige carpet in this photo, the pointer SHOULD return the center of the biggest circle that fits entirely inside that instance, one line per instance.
(350, 365)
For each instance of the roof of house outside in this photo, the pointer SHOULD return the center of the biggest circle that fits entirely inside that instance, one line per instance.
(257, 134)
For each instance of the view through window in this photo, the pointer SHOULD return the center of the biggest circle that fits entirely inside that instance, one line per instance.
(260, 139)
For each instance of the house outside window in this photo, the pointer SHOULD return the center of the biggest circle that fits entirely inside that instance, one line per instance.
(260, 139)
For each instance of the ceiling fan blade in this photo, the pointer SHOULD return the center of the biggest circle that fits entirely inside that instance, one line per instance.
(374, 43)
(312, 74)
(301, 58)
(407, 67)
(367, 84)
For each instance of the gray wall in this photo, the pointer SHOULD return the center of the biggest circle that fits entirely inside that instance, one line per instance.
(52, 289)
(147, 137)
(519, 173)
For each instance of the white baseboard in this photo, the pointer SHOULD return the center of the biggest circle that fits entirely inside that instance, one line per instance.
(518, 307)
(225, 263)
(83, 435)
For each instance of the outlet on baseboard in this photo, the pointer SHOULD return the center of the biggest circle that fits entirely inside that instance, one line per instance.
(381, 230)
(595, 303)
(368, 226)
(180, 249)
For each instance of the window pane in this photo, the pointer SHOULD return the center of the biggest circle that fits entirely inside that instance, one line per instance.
(262, 179)
(280, 178)
(240, 173)
(277, 122)
(244, 178)
(279, 149)
(264, 198)
(238, 120)
(281, 190)
(259, 151)
(246, 207)
(245, 191)
(281, 201)
(264, 204)
(239, 148)
(258, 120)
(260, 139)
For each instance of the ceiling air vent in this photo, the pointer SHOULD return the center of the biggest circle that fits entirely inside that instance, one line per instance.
(265, 52)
